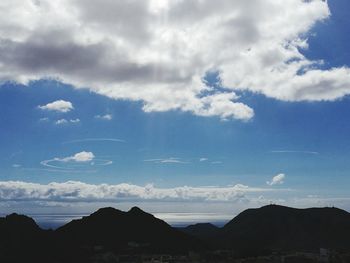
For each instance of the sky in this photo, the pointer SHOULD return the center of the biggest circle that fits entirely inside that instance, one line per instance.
(192, 110)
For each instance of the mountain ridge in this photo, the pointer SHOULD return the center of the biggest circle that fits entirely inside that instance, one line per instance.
(307, 228)
(109, 226)
(254, 231)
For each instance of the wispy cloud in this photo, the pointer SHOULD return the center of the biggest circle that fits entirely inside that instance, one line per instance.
(95, 140)
(65, 121)
(60, 170)
(81, 160)
(106, 117)
(61, 122)
(292, 151)
(44, 119)
(58, 105)
(207, 160)
(217, 162)
(171, 160)
(74, 120)
(277, 179)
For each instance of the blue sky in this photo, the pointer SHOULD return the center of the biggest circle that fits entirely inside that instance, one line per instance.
(307, 141)
(213, 141)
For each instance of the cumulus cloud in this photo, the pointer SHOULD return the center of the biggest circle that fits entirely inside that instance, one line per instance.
(79, 162)
(58, 105)
(78, 191)
(277, 179)
(159, 51)
(79, 157)
(106, 117)
(59, 163)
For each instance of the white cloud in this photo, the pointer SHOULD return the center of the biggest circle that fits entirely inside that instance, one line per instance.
(222, 105)
(79, 162)
(16, 165)
(106, 117)
(277, 179)
(158, 51)
(74, 120)
(61, 121)
(171, 160)
(58, 105)
(77, 191)
(65, 163)
(203, 159)
(65, 121)
(44, 119)
(79, 157)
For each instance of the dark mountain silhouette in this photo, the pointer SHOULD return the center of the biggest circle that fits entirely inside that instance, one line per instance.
(285, 228)
(201, 230)
(21, 238)
(115, 229)
(208, 233)
(108, 230)
(112, 230)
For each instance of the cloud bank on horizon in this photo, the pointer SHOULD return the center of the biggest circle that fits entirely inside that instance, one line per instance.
(72, 191)
(160, 51)
(85, 196)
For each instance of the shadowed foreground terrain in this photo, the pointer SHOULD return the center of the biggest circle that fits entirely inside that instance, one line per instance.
(267, 234)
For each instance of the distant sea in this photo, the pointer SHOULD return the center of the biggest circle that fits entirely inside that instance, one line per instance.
(53, 221)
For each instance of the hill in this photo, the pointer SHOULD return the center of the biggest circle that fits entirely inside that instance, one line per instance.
(208, 233)
(284, 228)
(118, 230)
(21, 238)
